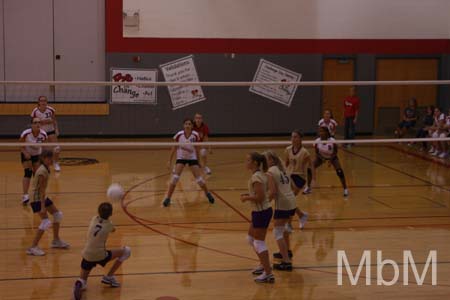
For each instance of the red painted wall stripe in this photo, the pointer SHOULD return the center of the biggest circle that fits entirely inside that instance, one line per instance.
(115, 42)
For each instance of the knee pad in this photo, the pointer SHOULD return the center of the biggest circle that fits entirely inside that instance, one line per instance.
(203, 152)
(287, 228)
(340, 173)
(57, 149)
(250, 240)
(278, 232)
(200, 180)
(57, 217)
(435, 134)
(27, 173)
(443, 135)
(260, 246)
(126, 254)
(45, 224)
(175, 179)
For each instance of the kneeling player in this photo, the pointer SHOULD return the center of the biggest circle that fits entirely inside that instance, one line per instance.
(95, 253)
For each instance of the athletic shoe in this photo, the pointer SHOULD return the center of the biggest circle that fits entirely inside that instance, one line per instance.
(25, 199)
(166, 202)
(279, 256)
(307, 191)
(210, 198)
(345, 192)
(56, 167)
(431, 150)
(265, 278)
(258, 270)
(111, 280)
(60, 244)
(443, 155)
(283, 266)
(207, 170)
(436, 153)
(302, 220)
(35, 251)
(77, 290)
(288, 227)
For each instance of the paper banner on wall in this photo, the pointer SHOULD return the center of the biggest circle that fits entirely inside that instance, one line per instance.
(132, 94)
(268, 71)
(182, 70)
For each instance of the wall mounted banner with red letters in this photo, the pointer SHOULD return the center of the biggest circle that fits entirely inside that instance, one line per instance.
(131, 94)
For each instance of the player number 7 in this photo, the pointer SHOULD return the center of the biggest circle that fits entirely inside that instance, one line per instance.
(97, 229)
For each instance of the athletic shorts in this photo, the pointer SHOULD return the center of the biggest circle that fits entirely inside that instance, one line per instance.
(52, 132)
(283, 214)
(190, 162)
(406, 124)
(34, 158)
(36, 205)
(89, 265)
(261, 219)
(298, 181)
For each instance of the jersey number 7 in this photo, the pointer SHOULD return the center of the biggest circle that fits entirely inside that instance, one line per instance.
(97, 229)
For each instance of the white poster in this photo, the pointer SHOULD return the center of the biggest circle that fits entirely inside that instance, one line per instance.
(268, 71)
(182, 70)
(130, 93)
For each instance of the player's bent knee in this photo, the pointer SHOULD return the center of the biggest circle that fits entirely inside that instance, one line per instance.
(200, 180)
(57, 217)
(27, 173)
(203, 152)
(260, 246)
(125, 255)
(278, 232)
(57, 149)
(175, 179)
(45, 224)
(250, 240)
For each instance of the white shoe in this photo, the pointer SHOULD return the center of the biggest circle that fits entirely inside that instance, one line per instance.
(25, 199)
(443, 155)
(56, 167)
(111, 280)
(265, 278)
(345, 192)
(207, 170)
(436, 153)
(60, 244)
(431, 150)
(302, 220)
(307, 191)
(35, 251)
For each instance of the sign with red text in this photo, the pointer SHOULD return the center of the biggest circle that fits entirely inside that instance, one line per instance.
(133, 94)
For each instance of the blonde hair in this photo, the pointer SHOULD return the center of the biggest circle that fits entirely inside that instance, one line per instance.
(276, 159)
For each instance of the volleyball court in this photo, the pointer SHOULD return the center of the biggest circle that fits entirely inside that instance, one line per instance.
(221, 213)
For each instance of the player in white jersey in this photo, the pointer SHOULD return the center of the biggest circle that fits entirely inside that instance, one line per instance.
(46, 114)
(29, 156)
(95, 252)
(285, 207)
(258, 198)
(329, 122)
(326, 150)
(186, 155)
(300, 170)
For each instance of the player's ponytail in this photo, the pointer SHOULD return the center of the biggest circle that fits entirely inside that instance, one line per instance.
(276, 159)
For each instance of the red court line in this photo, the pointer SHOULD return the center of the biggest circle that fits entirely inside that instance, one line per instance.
(231, 206)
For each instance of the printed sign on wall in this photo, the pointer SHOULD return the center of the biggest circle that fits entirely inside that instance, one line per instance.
(182, 70)
(130, 93)
(268, 71)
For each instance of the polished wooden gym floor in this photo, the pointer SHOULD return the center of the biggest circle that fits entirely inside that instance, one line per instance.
(194, 250)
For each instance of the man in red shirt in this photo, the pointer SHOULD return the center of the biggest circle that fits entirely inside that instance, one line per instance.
(203, 131)
(351, 110)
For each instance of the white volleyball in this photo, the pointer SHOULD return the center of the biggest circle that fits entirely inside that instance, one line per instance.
(115, 192)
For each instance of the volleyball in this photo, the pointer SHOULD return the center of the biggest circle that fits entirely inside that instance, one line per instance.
(115, 192)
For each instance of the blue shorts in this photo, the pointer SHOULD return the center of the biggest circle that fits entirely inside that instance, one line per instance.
(284, 214)
(36, 205)
(298, 180)
(189, 162)
(89, 265)
(261, 219)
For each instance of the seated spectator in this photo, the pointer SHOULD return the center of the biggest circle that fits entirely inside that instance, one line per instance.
(427, 123)
(409, 118)
(438, 131)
